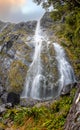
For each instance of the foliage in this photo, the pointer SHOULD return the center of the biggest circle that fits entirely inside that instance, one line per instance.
(42, 118)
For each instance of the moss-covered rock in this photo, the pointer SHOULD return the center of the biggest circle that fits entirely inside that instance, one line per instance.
(50, 69)
(17, 74)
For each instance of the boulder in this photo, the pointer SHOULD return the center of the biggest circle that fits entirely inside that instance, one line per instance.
(66, 89)
(13, 98)
(8, 105)
(2, 109)
(4, 97)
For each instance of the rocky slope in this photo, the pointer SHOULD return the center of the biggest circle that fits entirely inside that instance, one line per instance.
(16, 53)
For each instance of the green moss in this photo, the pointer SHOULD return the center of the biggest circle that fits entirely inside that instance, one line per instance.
(17, 74)
(43, 118)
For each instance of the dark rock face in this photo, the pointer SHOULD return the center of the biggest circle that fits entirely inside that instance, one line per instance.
(13, 47)
(8, 105)
(47, 24)
(46, 21)
(13, 98)
(4, 97)
(27, 26)
(66, 89)
(50, 71)
(73, 118)
(7, 45)
(2, 108)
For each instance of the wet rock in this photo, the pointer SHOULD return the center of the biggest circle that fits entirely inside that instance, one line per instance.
(73, 118)
(66, 89)
(13, 98)
(4, 97)
(2, 109)
(29, 38)
(46, 21)
(8, 105)
(50, 71)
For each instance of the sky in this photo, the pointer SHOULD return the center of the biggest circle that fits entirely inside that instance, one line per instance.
(19, 10)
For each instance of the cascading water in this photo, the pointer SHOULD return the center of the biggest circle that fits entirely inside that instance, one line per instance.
(45, 81)
(34, 75)
(65, 70)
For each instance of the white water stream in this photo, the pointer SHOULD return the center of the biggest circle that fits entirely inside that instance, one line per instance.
(65, 70)
(34, 75)
(35, 86)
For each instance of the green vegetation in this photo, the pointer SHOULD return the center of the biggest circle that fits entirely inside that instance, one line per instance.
(67, 28)
(43, 118)
(17, 74)
(66, 25)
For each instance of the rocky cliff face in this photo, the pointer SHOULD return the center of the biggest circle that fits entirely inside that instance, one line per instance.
(73, 118)
(46, 21)
(15, 54)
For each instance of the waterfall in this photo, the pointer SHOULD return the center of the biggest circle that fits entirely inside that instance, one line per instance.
(34, 76)
(65, 70)
(42, 80)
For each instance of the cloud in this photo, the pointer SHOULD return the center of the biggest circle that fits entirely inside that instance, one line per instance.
(6, 6)
(19, 10)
